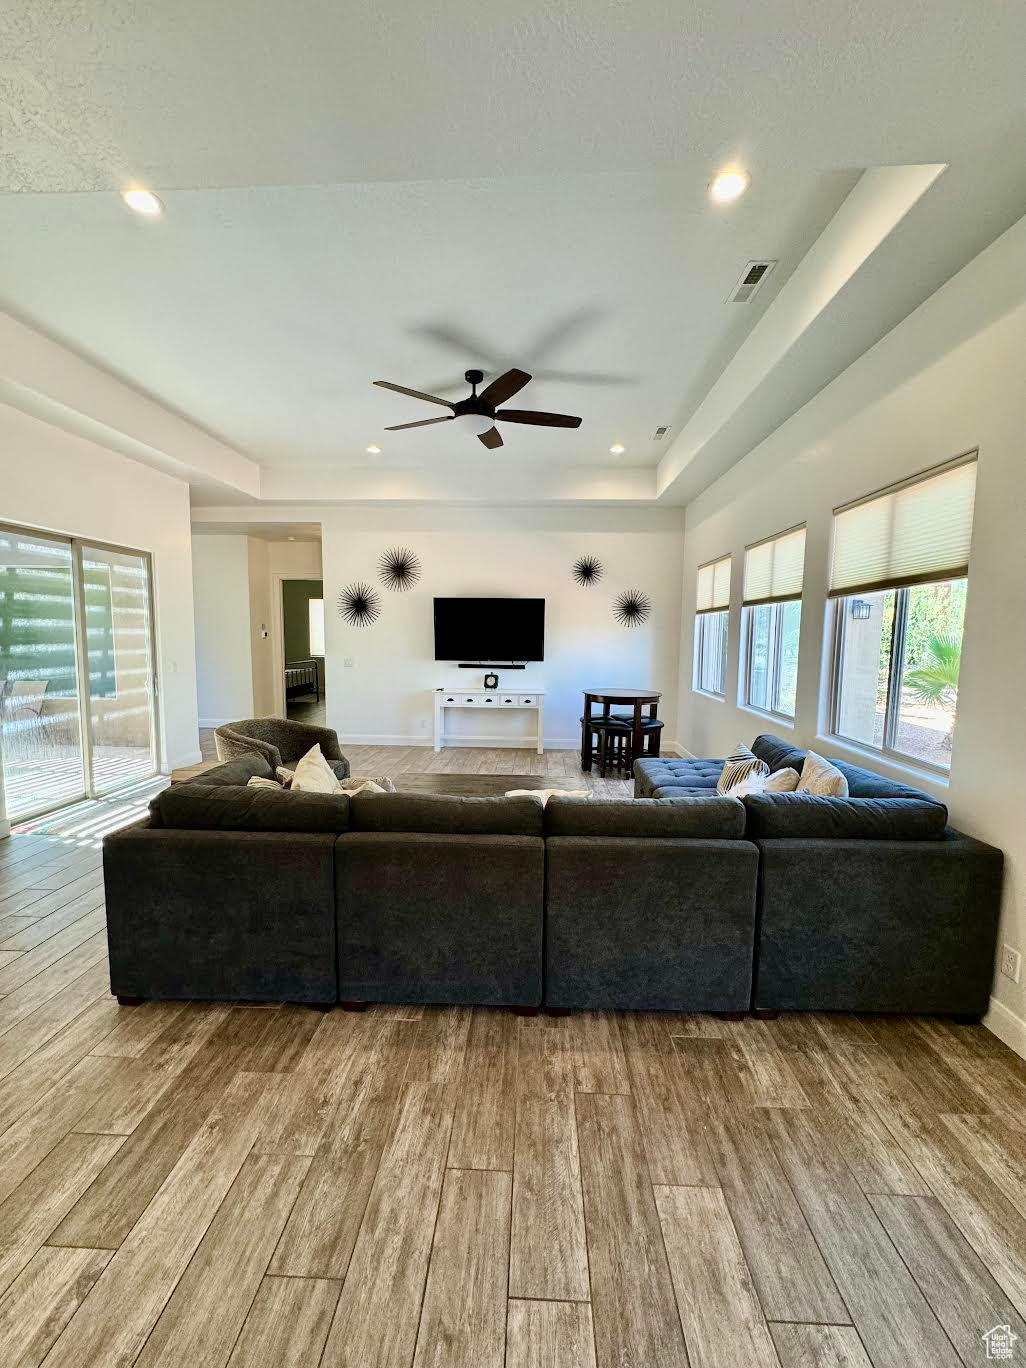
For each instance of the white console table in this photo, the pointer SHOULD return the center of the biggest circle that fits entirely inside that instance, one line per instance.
(482, 701)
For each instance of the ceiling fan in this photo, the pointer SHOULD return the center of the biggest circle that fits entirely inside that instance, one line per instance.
(478, 414)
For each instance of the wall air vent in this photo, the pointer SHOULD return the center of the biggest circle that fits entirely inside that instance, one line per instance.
(751, 278)
(660, 433)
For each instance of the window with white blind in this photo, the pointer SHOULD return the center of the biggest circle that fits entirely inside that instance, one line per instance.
(771, 622)
(898, 578)
(712, 611)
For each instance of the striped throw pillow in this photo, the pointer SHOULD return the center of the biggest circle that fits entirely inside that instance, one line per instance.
(741, 764)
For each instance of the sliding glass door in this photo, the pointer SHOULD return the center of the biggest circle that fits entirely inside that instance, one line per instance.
(76, 670)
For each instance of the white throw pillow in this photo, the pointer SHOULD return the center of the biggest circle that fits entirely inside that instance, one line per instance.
(543, 795)
(821, 778)
(256, 782)
(314, 774)
(741, 764)
(781, 781)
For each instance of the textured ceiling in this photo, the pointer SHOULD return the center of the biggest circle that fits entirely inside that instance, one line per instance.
(361, 191)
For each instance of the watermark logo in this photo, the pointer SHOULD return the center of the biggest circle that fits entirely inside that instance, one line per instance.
(999, 1342)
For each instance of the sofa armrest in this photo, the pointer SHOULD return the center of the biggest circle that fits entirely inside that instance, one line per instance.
(877, 926)
(222, 915)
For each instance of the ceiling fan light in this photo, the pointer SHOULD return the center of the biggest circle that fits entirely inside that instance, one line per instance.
(473, 424)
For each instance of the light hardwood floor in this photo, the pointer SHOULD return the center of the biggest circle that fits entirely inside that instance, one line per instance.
(198, 1185)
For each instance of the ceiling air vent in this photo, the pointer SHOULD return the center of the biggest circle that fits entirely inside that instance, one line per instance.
(751, 278)
(660, 433)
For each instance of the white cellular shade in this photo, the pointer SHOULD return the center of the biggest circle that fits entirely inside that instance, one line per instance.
(912, 533)
(714, 586)
(774, 569)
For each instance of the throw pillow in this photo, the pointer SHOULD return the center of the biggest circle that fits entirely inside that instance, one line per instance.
(740, 764)
(781, 781)
(314, 774)
(284, 776)
(357, 783)
(543, 795)
(821, 778)
(256, 782)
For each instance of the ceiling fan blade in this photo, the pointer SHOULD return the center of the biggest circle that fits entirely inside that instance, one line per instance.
(537, 419)
(424, 422)
(414, 394)
(504, 387)
(491, 439)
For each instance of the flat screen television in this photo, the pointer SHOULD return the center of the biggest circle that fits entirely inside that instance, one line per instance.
(490, 630)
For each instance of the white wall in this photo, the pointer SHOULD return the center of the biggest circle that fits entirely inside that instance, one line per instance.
(385, 695)
(224, 655)
(55, 481)
(237, 589)
(948, 379)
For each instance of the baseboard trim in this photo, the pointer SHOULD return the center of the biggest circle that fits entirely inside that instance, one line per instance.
(1003, 1022)
(5, 828)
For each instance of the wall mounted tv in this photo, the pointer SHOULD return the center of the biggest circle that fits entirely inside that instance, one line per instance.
(489, 630)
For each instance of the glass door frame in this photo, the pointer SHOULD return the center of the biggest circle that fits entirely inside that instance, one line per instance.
(76, 546)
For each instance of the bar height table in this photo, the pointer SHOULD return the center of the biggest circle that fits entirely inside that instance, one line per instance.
(638, 698)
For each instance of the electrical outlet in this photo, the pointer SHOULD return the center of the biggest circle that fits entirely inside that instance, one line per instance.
(347, 664)
(1011, 963)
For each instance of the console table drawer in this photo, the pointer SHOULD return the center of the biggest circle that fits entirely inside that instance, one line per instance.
(527, 700)
(509, 700)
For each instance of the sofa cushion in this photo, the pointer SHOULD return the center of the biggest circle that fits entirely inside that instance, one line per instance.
(878, 819)
(689, 775)
(227, 807)
(740, 764)
(863, 783)
(778, 753)
(440, 813)
(712, 816)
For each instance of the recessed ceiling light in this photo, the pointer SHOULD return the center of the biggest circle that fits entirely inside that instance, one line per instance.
(373, 450)
(143, 202)
(617, 449)
(292, 539)
(729, 185)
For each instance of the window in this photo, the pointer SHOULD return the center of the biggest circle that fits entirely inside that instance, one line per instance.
(899, 580)
(316, 626)
(712, 604)
(771, 627)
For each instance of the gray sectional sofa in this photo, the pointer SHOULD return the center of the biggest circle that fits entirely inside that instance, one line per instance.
(869, 903)
(680, 900)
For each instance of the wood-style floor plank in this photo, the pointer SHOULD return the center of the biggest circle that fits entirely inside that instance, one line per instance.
(201, 1322)
(819, 1346)
(109, 1210)
(599, 1062)
(57, 1018)
(37, 1204)
(719, 1310)
(547, 1334)
(24, 1000)
(375, 1325)
(42, 1299)
(42, 1067)
(28, 1141)
(792, 1279)
(549, 1251)
(139, 1027)
(673, 1130)
(893, 1318)
(483, 1128)
(633, 1306)
(965, 1298)
(113, 1322)
(321, 1233)
(287, 1324)
(463, 1320)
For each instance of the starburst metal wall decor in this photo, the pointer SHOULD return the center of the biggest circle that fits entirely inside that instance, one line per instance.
(399, 569)
(587, 570)
(631, 608)
(359, 605)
